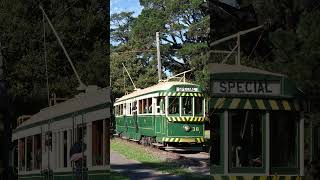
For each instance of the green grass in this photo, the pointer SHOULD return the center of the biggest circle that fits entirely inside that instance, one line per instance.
(117, 176)
(138, 153)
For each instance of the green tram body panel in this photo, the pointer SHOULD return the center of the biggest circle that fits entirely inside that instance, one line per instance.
(163, 128)
(157, 126)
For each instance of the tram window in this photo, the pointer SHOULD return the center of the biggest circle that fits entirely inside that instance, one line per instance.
(29, 153)
(130, 108)
(37, 152)
(65, 149)
(97, 143)
(22, 157)
(174, 105)
(160, 105)
(149, 105)
(283, 133)
(121, 109)
(246, 138)
(81, 137)
(186, 105)
(198, 106)
(116, 109)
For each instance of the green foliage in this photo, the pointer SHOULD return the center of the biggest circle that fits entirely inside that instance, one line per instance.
(183, 34)
(79, 26)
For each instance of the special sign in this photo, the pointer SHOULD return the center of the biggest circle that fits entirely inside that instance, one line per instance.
(246, 87)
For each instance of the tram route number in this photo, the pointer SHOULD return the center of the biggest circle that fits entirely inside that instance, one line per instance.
(246, 87)
(195, 129)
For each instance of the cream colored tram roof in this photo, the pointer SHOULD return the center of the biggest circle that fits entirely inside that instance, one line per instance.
(79, 102)
(162, 86)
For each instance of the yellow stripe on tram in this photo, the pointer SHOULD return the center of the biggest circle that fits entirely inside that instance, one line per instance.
(260, 104)
(235, 103)
(274, 105)
(247, 105)
(286, 105)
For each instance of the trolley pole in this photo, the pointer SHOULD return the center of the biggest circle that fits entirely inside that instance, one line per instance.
(158, 55)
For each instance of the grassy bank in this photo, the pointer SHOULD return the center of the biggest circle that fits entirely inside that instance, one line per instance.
(117, 176)
(138, 153)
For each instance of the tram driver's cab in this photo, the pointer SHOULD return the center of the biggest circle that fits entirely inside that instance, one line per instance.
(258, 123)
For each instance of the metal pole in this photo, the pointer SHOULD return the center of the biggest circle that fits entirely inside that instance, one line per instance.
(158, 56)
(238, 43)
(81, 85)
(45, 58)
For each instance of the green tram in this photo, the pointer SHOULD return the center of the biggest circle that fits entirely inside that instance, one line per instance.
(170, 115)
(43, 141)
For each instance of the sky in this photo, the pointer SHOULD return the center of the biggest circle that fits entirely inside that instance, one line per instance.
(117, 6)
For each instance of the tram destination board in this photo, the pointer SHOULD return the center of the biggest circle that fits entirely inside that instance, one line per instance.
(246, 87)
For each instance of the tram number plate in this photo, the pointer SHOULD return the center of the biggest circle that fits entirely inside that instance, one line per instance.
(195, 129)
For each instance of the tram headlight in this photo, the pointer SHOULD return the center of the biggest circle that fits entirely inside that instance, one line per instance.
(186, 127)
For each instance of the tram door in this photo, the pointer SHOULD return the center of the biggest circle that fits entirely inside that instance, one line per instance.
(80, 171)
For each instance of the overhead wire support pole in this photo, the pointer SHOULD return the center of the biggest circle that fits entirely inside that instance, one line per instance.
(81, 84)
(158, 55)
(238, 47)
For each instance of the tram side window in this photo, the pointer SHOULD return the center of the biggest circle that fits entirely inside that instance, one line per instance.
(29, 153)
(160, 105)
(149, 105)
(37, 152)
(22, 157)
(198, 106)
(246, 138)
(130, 108)
(174, 105)
(141, 106)
(283, 133)
(97, 143)
(121, 109)
(187, 106)
(65, 149)
(116, 109)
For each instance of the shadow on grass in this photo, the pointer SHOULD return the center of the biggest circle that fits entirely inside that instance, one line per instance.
(148, 170)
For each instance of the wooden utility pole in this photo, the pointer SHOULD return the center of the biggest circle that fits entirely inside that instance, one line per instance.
(158, 55)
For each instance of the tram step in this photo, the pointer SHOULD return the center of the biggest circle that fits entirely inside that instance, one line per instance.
(123, 137)
(134, 140)
(157, 144)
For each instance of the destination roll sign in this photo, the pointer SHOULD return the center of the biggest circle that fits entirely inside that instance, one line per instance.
(246, 87)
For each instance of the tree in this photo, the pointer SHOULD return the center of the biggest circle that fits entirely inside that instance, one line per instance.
(79, 25)
(183, 31)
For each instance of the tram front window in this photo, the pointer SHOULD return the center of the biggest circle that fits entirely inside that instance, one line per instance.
(187, 106)
(173, 105)
(198, 105)
(246, 138)
(283, 139)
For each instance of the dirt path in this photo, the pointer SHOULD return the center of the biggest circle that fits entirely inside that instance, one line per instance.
(135, 170)
(203, 158)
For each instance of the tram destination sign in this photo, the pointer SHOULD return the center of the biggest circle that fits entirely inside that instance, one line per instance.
(187, 89)
(246, 87)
